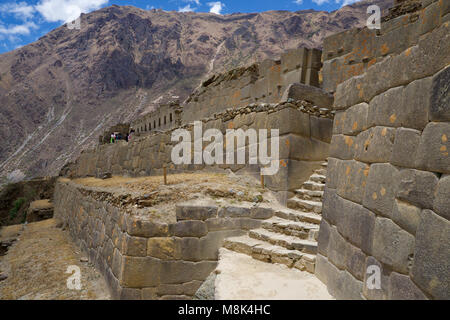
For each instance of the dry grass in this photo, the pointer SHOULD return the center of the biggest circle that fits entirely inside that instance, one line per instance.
(36, 266)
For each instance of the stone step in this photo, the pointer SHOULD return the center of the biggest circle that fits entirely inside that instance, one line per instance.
(322, 171)
(305, 205)
(267, 252)
(299, 216)
(318, 178)
(282, 240)
(311, 185)
(300, 230)
(309, 194)
(324, 165)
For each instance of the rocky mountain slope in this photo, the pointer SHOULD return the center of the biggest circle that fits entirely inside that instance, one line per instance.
(59, 93)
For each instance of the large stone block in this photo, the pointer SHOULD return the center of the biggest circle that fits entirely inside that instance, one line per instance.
(356, 262)
(333, 170)
(356, 225)
(337, 249)
(392, 245)
(139, 272)
(300, 91)
(134, 246)
(321, 128)
(402, 288)
(144, 228)
(433, 151)
(406, 216)
(294, 76)
(432, 256)
(381, 189)
(173, 272)
(351, 121)
(161, 248)
(301, 148)
(332, 206)
(440, 96)
(323, 269)
(196, 210)
(385, 108)
(289, 120)
(417, 187)
(324, 237)
(352, 180)
(441, 203)
(375, 145)
(405, 147)
(342, 147)
(188, 228)
(235, 211)
(293, 59)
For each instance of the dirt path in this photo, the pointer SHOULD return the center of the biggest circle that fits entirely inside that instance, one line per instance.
(37, 262)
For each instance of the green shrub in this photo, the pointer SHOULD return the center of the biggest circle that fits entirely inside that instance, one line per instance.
(16, 207)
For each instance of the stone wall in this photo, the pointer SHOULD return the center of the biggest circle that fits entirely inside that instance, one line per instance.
(166, 117)
(261, 82)
(386, 201)
(305, 134)
(350, 53)
(142, 258)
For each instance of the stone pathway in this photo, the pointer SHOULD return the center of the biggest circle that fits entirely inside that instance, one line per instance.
(242, 278)
(290, 237)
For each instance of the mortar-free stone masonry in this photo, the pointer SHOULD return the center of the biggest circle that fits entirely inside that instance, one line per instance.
(381, 117)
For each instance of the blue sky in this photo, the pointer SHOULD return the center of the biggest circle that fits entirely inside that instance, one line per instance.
(24, 21)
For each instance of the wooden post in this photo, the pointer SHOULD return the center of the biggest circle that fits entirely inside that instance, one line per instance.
(262, 181)
(165, 174)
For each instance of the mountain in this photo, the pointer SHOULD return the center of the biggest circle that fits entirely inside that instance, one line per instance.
(59, 93)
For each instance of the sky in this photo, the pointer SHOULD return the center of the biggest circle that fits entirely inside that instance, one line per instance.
(25, 21)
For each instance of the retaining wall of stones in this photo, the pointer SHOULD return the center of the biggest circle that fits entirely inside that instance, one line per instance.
(351, 53)
(261, 82)
(149, 259)
(386, 201)
(304, 130)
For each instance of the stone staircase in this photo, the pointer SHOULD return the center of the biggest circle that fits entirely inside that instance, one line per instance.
(290, 237)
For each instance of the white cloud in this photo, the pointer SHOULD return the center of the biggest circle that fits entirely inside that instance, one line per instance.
(67, 10)
(216, 7)
(321, 2)
(23, 29)
(347, 2)
(187, 8)
(298, 2)
(20, 10)
(197, 2)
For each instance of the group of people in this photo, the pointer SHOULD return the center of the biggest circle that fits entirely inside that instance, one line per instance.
(118, 136)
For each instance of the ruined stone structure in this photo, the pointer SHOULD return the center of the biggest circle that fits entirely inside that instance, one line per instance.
(386, 199)
(261, 82)
(166, 117)
(151, 259)
(387, 195)
(305, 134)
